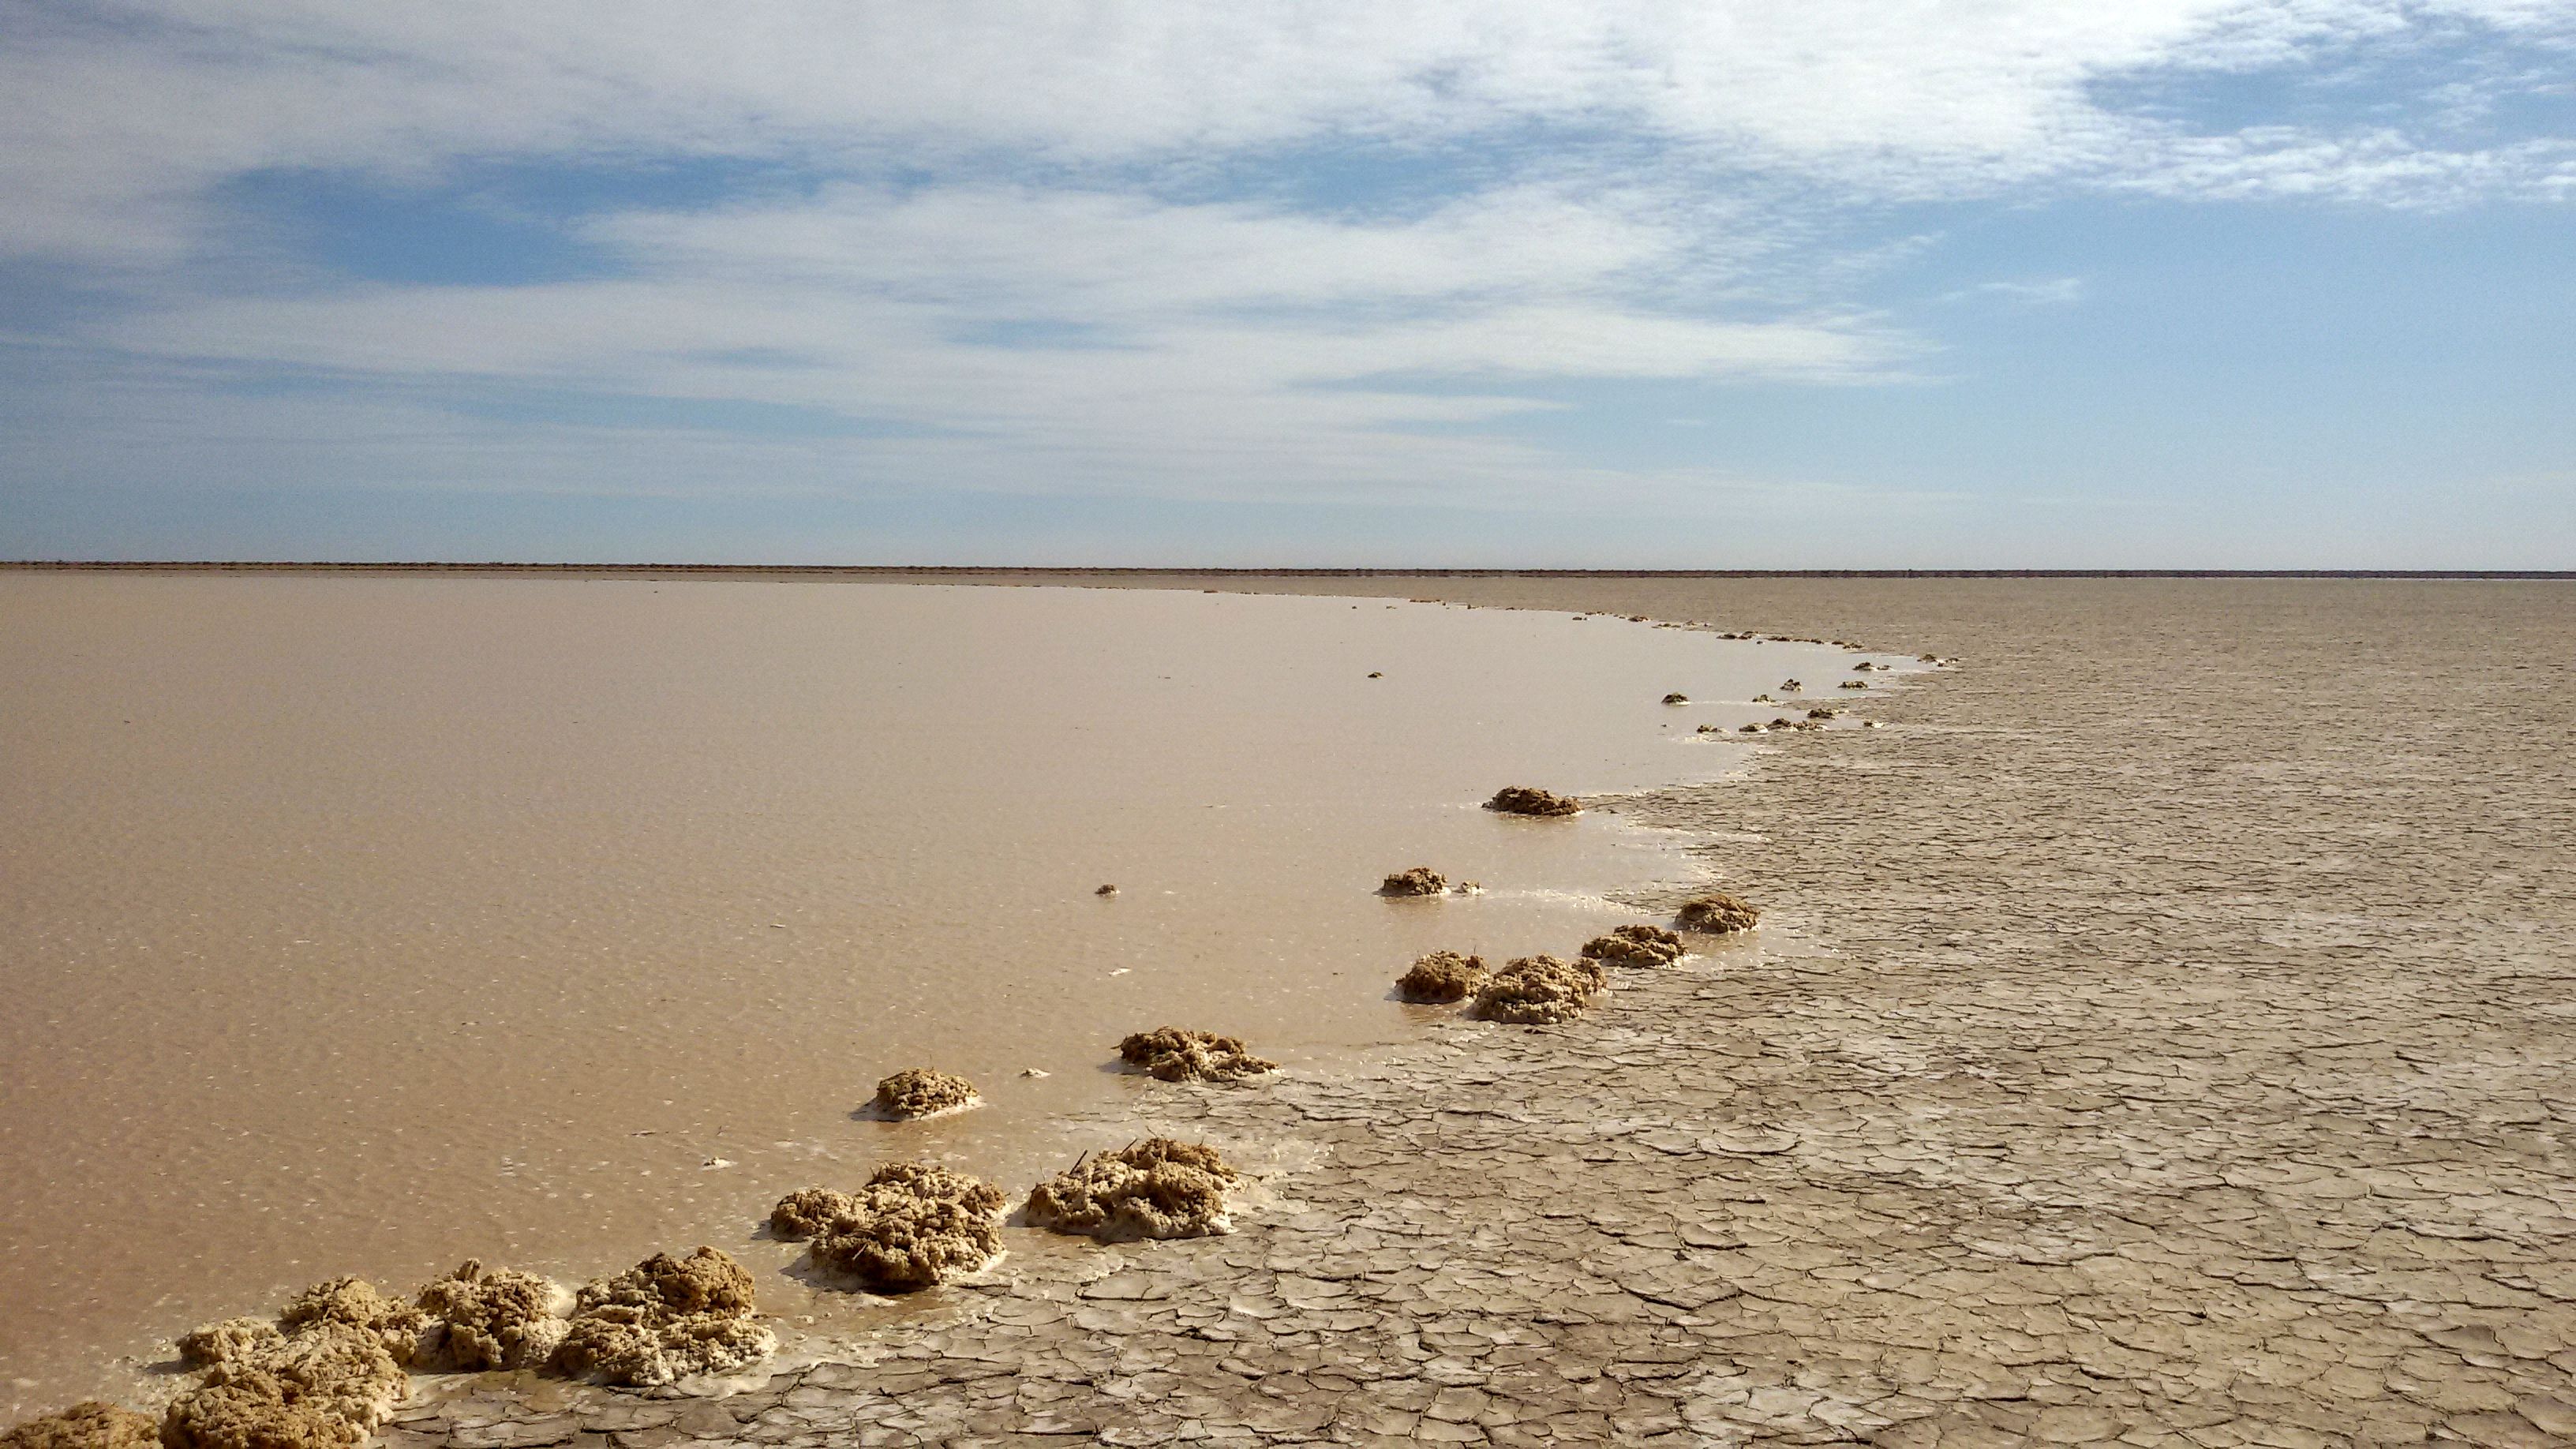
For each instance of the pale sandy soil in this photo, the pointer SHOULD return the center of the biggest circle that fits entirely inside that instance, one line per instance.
(2162, 1036)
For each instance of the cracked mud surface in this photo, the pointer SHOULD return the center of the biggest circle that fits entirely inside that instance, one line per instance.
(2160, 1034)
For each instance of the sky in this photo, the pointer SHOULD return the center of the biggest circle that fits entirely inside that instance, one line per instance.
(1793, 284)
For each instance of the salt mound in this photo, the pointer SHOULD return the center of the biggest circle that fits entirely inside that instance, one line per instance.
(1635, 946)
(490, 1318)
(329, 1384)
(1535, 990)
(1157, 1188)
(1718, 912)
(665, 1319)
(1422, 880)
(911, 1226)
(231, 1339)
(1177, 1054)
(1528, 800)
(89, 1425)
(1442, 976)
(922, 1092)
(356, 1303)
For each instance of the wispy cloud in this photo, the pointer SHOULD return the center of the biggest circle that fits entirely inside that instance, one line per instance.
(1141, 245)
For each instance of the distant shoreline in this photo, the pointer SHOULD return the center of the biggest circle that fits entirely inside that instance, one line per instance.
(1065, 571)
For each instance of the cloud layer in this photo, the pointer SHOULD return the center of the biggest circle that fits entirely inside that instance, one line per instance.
(1337, 251)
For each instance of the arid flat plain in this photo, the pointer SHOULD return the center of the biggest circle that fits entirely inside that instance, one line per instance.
(2162, 1034)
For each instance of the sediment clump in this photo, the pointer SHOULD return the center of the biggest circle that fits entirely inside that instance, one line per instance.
(1442, 976)
(1422, 880)
(1177, 1054)
(356, 1303)
(1854, 684)
(1718, 913)
(1826, 711)
(1157, 1188)
(1528, 800)
(87, 1425)
(490, 1318)
(1537, 990)
(223, 1342)
(326, 1386)
(1635, 946)
(924, 1092)
(1677, 699)
(1792, 686)
(913, 1225)
(665, 1319)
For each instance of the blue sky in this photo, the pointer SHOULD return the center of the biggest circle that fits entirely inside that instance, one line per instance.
(2170, 283)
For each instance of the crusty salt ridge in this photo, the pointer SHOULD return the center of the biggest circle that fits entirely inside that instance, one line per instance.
(1179, 1054)
(1420, 880)
(1441, 976)
(1157, 1188)
(918, 1092)
(666, 1319)
(1540, 990)
(911, 1225)
(1705, 1283)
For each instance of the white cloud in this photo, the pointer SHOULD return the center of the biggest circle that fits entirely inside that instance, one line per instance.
(1663, 225)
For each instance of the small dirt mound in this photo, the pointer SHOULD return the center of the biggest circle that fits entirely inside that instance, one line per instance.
(1422, 880)
(1827, 711)
(1854, 684)
(89, 1425)
(328, 1385)
(1718, 913)
(1677, 699)
(1536, 990)
(1157, 1188)
(1442, 976)
(356, 1303)
(1635, 946)
(913, 1225)
(665, 1319)
(490, 1318)
(1177, 1054)
(923, 1092)
(1792, 686)
(1529, 800)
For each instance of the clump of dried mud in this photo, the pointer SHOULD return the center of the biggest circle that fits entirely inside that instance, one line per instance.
(355, 1303)
(1529, 800)
(1827, 711)
(924, 1092)
(1677, 699)
(1442, 976)
(491, 1318)
(913, 1225)
(1536, 990)
(1178, 1054)
(1718, 913)
(89, 1425)
(665, 1319)
(327, 1385)
(1157, 1188)
(1635, 946)
(1854, 684)
(1422, 880)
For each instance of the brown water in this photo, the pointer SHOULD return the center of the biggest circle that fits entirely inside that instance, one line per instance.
(365, 924)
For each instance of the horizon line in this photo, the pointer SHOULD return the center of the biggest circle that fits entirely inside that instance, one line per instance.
(1128, 570)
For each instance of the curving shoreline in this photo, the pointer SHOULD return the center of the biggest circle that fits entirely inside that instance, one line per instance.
(2200, 1106)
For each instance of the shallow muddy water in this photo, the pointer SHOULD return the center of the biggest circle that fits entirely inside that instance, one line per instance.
(366, 924)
